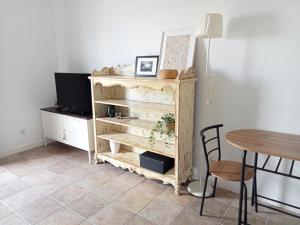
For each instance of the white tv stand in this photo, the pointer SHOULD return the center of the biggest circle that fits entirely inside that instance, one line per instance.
(70, 129)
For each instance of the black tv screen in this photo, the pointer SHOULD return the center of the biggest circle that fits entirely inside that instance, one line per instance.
(74, 92)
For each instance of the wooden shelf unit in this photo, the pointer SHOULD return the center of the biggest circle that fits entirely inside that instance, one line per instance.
(144, 101)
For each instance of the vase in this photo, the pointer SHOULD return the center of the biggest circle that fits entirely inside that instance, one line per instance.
(114, 147)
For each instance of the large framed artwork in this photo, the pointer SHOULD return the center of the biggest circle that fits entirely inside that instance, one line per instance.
(177, 49)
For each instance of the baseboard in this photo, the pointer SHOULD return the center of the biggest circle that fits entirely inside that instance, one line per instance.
(15, 150)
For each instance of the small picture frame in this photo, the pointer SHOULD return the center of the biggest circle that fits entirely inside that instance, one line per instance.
(146, 66)
(177, 49)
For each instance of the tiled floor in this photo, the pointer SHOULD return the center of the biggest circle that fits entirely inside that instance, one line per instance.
(56, 185)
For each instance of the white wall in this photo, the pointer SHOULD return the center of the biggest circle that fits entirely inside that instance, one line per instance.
(257, 60)
(27, 62)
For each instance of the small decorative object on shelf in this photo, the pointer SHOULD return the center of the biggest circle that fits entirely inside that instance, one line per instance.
(165, 126)
(125, 70)
(114, 146)
(156, 162)
(146, 66)
(104, 71)
(111, 111)
(168, 74)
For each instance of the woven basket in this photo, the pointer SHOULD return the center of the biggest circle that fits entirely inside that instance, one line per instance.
(168, 74)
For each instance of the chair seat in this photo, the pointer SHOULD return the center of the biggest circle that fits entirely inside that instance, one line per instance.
(229, 170)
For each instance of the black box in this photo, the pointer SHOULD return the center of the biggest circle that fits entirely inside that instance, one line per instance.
(156, 162)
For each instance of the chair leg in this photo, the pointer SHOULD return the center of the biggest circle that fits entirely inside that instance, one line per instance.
(215, 187)
(245, 204)
(255, 197)
(253, 191)
(203, 197)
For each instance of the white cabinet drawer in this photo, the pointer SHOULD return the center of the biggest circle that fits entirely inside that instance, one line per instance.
(67, 129)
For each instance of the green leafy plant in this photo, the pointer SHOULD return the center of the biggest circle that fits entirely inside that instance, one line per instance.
(165, 125)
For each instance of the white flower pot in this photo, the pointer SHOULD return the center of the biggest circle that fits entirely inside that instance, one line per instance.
(114, 147)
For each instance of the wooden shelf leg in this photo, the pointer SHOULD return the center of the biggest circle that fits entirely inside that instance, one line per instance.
(177, 189)
(96, 160)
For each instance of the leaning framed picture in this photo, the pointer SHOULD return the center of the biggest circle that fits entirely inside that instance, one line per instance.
(146, 66)
(177, 49)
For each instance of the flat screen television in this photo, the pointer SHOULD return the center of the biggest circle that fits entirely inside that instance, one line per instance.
(73, 92)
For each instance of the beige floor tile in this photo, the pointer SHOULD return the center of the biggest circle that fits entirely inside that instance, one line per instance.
(68, 194)
(161, 212)
(7, 177)
(86, 223)
(135, 200)
(76, 173)
(21, 166)
(12, 187)
(226, 196)
(276, 218)
(39, 177)
(88, 205)
(53, 184)
(111, 171)
(40, 154)
(80, 157)
(113, 214)
(231, 216)
(153, 186)
(182, 200)
(62, 217)
(39, 210)
(111, 190)
(213, 210)
(23, 198)
(12, 160)
(62, 166)
(130, 179)
(13, 220)
(138, 220)
(262, 211)
(188, 218)
(93, 181)
(4, 211)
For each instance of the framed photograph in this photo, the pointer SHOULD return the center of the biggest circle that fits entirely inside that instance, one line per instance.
(146, 66)
(178, 48)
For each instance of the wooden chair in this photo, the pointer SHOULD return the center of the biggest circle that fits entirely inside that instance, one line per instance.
(222, 169)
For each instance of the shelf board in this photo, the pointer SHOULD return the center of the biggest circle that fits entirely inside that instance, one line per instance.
(140, 142)
(139, 104)
(135, 123)
(130, 160)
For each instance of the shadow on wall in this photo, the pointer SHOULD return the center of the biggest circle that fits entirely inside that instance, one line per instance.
(253, 27)
(236, 103)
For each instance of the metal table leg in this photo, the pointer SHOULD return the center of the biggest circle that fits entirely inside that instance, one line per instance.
(242, 188)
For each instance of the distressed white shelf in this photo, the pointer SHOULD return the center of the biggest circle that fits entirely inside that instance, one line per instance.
(130, 160)
(134, 123)
(148, 99)
(139, 105)
(140, 142)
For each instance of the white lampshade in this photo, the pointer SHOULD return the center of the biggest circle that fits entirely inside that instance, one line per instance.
(210, 26)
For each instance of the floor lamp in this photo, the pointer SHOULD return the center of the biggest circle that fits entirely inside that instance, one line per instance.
(210, 26)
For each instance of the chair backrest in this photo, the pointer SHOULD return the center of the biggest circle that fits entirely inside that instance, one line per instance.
(213, 137)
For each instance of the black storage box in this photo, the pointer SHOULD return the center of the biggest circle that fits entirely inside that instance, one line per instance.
(156, 162)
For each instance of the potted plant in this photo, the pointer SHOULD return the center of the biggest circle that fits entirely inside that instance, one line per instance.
(165, 125)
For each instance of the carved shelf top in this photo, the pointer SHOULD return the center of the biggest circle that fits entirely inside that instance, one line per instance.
(122, 78)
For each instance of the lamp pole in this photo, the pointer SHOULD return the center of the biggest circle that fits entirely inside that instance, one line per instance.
(196, 187)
